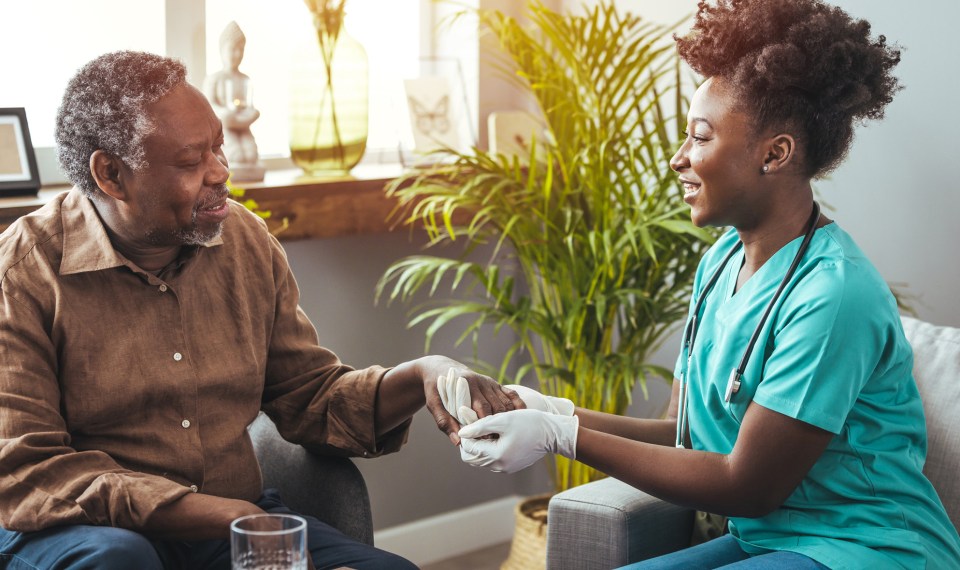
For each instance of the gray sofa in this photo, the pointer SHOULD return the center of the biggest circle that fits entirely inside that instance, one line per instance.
(329, 488)
(607, 524)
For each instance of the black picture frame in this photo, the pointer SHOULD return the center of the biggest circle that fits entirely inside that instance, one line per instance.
(18, 162)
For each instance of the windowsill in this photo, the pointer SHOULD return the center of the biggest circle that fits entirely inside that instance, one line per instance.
(310, 207)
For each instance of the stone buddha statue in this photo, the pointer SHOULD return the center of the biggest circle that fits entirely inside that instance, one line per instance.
(230, 95)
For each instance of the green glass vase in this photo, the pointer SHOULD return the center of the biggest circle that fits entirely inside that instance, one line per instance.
(329, 105)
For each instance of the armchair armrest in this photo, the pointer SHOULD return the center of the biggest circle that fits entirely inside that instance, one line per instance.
(327, 487)
(607, 524)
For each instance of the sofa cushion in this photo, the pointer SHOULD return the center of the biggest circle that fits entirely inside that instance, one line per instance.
(936, 366)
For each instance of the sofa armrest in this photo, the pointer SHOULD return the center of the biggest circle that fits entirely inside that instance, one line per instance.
(607, 524)
(327, 487)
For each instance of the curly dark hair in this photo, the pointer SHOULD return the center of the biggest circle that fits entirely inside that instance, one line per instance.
(798, 64)
(103, 108)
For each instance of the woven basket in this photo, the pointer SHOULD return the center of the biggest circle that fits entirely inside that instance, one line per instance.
(528, 551)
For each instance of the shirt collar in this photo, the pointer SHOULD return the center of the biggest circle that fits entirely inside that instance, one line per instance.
(86, 245)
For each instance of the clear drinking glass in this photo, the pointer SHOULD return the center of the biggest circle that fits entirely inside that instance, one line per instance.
(268, 542)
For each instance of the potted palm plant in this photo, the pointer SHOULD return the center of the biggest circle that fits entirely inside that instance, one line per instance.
(593, 251)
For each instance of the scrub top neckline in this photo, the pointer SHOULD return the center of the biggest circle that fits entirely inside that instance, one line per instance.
(736, 264)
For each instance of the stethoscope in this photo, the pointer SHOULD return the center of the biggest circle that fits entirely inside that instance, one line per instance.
(690, 331)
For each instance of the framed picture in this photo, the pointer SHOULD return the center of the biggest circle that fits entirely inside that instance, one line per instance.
(18, 163)
(436, 102)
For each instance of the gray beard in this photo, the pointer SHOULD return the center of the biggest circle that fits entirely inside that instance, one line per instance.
(184, 237)
(196, 237)
(192, 236)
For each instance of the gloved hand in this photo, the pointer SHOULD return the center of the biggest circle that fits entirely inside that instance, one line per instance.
(537, 401)
(455, 395)
(524, 437)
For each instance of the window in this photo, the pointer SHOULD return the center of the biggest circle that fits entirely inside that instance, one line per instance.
(44, 43)
(55, 37)
(389, 30)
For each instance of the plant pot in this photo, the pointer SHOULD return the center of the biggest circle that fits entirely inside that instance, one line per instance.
(528, 550)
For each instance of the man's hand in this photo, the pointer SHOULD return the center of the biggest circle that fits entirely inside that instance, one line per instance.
(524, 437)
(484, 394)
(398, 396)
(455, 395)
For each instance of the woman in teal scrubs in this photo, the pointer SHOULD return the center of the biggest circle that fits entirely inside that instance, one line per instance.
(816, 459)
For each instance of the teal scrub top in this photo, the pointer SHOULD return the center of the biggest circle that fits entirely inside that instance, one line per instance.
(832, 354)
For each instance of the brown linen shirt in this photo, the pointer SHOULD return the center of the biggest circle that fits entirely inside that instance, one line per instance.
(122, 391)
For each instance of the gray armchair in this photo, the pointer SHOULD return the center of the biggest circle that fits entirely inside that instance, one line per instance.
(607, 524)
(327, 487)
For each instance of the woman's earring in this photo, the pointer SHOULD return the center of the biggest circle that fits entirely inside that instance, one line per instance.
(765, 169)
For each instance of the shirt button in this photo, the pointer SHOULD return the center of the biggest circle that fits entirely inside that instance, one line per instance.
(194, 488)
(163, 288)
(177, 356)
(185, 423)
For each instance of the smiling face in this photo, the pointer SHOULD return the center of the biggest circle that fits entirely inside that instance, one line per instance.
(180, 197)
(720, 161)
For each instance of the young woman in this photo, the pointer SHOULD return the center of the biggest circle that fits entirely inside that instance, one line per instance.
(794, 411)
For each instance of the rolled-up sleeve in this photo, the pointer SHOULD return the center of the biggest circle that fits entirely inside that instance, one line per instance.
(44, 482)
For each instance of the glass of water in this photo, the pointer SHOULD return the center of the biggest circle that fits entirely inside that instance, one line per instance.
(268, 542)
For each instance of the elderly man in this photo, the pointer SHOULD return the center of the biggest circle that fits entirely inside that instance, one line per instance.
(145, 320)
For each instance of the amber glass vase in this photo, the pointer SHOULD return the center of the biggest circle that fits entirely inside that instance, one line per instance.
(329, 106)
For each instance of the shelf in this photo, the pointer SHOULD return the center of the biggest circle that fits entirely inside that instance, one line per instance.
(13, 208)
(312, 207)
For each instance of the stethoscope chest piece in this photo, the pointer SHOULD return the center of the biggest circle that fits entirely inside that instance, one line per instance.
(733, 385)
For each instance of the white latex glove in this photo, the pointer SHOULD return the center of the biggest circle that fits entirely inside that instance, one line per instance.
(524, 437)
(455, 396)
(537, 401)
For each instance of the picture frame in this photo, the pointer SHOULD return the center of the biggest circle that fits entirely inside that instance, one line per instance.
(18, 162)
(436, 102)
